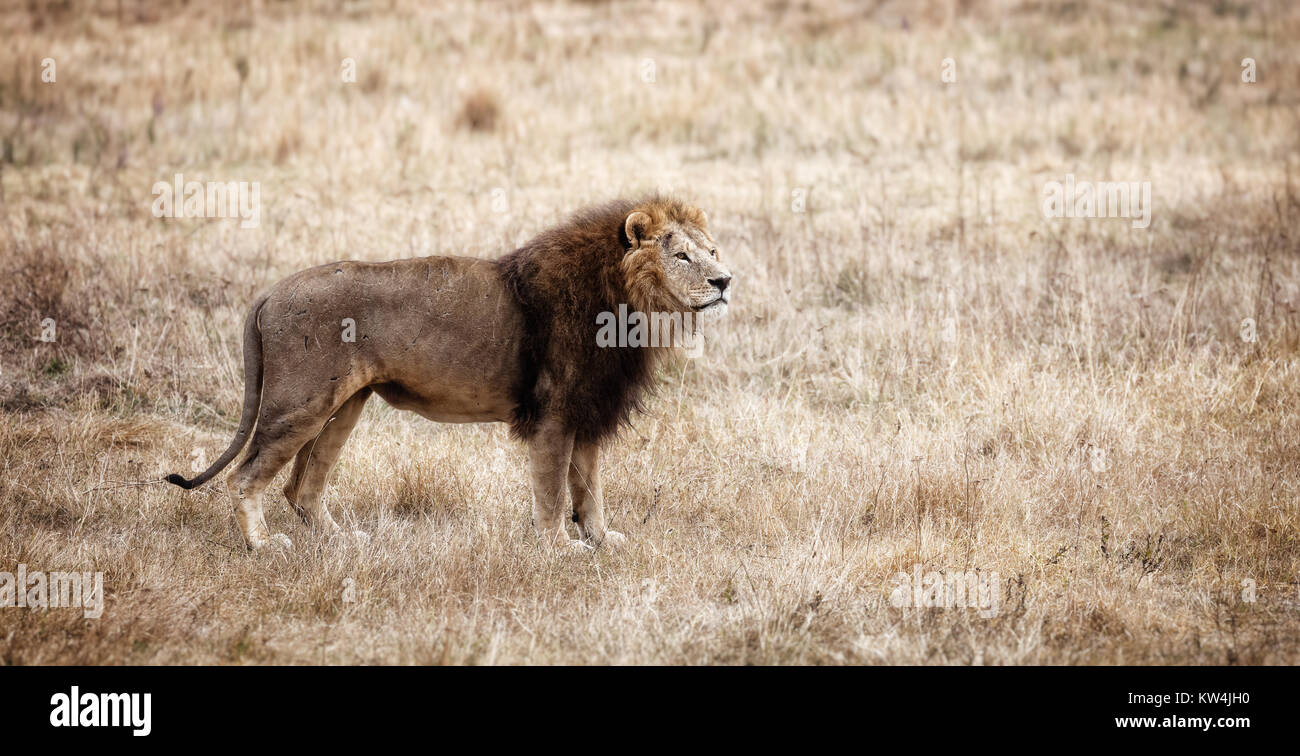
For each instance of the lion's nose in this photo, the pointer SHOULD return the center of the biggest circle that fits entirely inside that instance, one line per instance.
(721, 283)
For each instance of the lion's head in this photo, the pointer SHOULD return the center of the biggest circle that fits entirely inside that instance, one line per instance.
(675, 259)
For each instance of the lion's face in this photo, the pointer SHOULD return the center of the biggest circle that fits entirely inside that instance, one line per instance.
(693, 272)
(689, 276)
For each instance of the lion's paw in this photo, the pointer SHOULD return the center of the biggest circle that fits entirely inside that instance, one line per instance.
(614, 538)
(580, 547)
(281, 540)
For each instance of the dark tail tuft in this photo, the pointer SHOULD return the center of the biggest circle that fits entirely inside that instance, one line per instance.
(177, 480)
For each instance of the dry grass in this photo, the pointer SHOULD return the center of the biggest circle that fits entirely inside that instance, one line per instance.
(832, 436)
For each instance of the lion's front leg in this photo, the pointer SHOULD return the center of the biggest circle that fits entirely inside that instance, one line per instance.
(588, 499)
(549, 450)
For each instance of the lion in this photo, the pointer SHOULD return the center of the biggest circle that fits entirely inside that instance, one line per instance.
(469, 340)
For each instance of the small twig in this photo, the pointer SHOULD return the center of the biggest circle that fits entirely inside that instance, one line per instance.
(653, 504)
(219, 543)
(124, 484)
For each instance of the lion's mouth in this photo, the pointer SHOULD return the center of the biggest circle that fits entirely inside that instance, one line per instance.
(707, 305)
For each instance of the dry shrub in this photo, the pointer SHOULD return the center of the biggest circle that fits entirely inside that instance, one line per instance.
(36, 283)
(479, 111)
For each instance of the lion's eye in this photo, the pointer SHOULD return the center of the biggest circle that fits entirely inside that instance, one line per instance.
(681, 256)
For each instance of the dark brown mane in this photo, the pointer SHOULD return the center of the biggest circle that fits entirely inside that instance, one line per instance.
(563, 279)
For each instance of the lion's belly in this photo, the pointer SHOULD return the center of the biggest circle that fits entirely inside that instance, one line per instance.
(448, 403)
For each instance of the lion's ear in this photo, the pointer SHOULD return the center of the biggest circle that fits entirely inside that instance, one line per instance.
(704, 218)
(635, 229)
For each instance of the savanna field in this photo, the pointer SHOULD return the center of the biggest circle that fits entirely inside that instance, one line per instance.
(919, 373)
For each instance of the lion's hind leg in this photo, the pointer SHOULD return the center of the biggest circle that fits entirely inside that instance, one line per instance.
(275, 441)
(315, 461)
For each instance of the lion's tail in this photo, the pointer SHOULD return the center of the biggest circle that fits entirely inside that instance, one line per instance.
(252, 398)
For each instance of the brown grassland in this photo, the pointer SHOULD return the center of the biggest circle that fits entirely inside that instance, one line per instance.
(919, 368)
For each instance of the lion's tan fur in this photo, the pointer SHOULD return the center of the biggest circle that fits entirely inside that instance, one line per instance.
(465, 340)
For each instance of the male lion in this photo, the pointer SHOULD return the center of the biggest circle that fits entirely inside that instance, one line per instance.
(463, 340)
